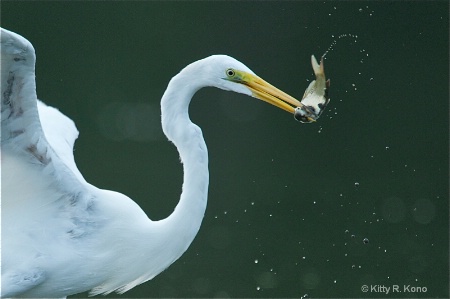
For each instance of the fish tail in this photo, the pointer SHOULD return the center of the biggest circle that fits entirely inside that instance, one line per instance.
(318, 68)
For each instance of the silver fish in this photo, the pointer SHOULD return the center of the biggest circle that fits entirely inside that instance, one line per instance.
(315, 98)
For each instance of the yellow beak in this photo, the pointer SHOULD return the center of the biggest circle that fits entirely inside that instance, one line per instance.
(264, 91)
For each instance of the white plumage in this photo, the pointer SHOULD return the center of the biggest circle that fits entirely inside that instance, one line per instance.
(61, 235)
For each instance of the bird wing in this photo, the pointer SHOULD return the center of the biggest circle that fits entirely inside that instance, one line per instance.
(61, 133)
(43, 193)
(39, 134)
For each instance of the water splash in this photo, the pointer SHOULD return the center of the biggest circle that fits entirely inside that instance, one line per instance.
(338, 38)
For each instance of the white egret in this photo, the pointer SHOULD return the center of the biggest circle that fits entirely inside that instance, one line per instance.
(61, 235)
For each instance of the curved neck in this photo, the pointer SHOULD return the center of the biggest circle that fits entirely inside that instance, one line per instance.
(186, 219)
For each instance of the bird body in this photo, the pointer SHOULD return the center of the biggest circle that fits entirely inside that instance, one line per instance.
(62, 235)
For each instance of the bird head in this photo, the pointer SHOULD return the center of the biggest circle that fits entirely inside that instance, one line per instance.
(237, 77)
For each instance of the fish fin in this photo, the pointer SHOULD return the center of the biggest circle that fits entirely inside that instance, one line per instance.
(309, 88)
(327, 88)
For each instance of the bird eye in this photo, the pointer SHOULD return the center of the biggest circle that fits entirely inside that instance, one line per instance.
(230, 72)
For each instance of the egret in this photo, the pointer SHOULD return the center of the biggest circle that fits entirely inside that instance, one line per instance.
(62, 235)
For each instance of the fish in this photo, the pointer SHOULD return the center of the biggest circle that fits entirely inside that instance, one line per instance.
(316, 97)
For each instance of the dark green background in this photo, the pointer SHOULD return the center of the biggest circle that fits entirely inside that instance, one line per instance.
(297, 198)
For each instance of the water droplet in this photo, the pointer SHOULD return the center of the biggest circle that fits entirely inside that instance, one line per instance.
(356, 184)
(365, 240)
(258, 288)
(256, 261)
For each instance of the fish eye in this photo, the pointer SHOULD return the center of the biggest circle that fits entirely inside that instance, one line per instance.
(230, 72)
